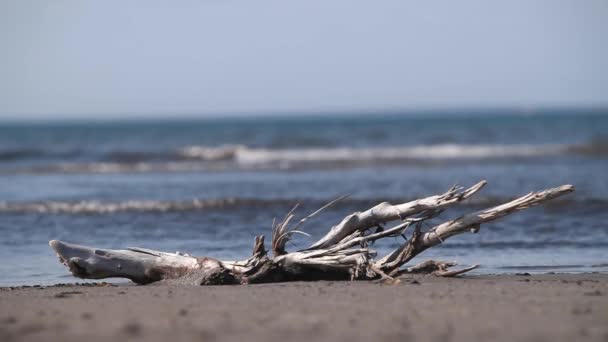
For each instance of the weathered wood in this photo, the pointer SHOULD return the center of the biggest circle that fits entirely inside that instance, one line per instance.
(420, 241)
(385, 212)
(340, 255)
(140, 265)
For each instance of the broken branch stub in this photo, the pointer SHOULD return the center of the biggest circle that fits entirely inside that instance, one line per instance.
(341, 254)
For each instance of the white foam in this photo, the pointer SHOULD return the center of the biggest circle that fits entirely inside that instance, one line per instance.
(198, 158)
(223, 152)
(260, 156)
(97, 207)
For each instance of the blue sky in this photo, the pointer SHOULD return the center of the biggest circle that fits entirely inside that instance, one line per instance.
(81, 59)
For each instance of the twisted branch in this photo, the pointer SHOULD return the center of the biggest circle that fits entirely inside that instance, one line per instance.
(385, 212)
(420, 241)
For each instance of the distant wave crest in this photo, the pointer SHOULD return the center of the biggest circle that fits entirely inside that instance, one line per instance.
(245, 155)
(195, 158)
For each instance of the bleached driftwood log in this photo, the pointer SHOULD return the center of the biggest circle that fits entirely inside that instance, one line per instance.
(342, 254)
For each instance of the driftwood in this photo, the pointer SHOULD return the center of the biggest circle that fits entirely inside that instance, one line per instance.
(342, 254)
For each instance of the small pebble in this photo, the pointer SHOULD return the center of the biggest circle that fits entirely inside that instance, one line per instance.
(132, 329)
(10, 320)
(594, 293)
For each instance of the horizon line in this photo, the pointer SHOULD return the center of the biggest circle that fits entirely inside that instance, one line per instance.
(302, 114)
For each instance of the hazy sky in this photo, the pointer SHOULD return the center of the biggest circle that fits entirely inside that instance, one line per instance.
(84, 58)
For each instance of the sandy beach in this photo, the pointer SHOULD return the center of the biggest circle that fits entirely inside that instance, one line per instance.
(552, 307)
(449, 158)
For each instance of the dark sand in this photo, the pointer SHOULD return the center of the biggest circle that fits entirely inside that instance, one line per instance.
(507, 308)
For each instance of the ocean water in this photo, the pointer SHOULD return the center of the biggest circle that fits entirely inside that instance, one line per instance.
(207, 187)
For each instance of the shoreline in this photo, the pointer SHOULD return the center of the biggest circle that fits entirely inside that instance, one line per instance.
(127, 282)
(518, 271)
(557, 307)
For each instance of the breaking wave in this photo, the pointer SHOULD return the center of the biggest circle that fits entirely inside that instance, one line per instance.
(98, 207)
(251, 156)
(195, 158)
(282, 204)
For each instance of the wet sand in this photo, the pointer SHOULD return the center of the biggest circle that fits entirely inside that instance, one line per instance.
(508, 308)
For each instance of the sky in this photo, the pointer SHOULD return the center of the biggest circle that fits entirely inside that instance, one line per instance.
(129, 59)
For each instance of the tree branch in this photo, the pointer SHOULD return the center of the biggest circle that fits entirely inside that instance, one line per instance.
(385, 212)
(420, 241)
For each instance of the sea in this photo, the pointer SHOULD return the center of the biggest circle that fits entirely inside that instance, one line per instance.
(208, 186)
